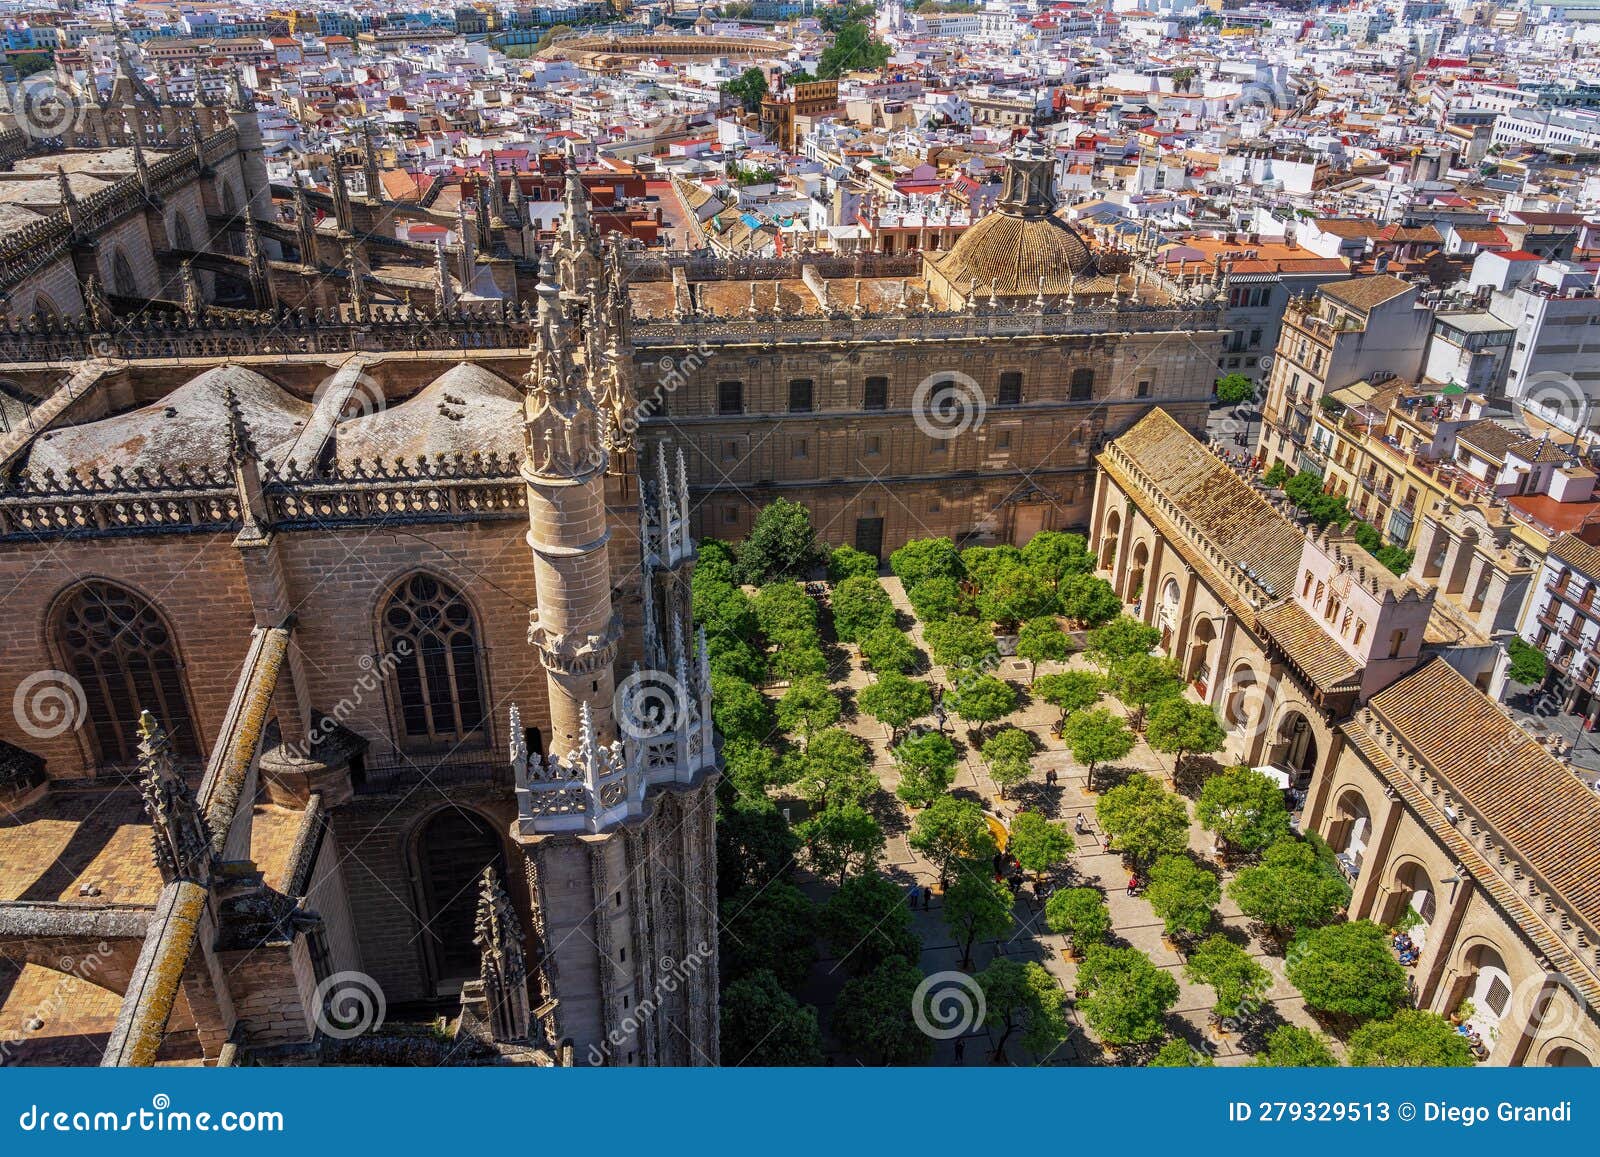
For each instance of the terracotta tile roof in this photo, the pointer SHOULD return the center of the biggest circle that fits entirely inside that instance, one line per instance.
(1577, 554)
(1538, 808)
(1366, 292)
(1491, 438)
(1309, 647)
(1241, 525)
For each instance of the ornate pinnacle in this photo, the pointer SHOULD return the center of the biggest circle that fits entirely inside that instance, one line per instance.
(181, 839)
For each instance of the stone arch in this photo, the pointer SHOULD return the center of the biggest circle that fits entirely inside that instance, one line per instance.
(449, 848)
(44, 309)
(1351, 828)
(1246, 700)
(1197, 659)
(1297, 740)
(123, 653)
(1484, 977)
(429, 637)
(1564, 1054)
(182, 238)
(1411, 887)
(1138, 561)
(1168, 610)
(227, 198)
(1108, 540)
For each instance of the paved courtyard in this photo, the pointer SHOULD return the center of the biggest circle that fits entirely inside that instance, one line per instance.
(1134, 923)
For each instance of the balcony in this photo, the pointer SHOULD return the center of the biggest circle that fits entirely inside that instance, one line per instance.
(1567, 593)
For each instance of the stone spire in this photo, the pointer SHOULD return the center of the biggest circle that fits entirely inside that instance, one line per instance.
(180, 836)
(192, 305)
(69, 199)
(371, 174)
(443, 291)
(341, 195)
(497, 197)
(246, 462)
(305, 225)
(94, 301)
(519, 199)
(502, 964)
(358, 281)
(576, 226)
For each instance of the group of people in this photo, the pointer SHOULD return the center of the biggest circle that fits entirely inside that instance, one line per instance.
(920, 896)
(1407, 949)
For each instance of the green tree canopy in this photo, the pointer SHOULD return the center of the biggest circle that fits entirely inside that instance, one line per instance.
(739, 710)
(808, 706)
(1181, 728)
(1411, 1038)
(937, 599)
(1069, 691)
(751, 766)
(1055, 555)
(1243, 807)
(1180, 1054)
(959, 642)
(715, 561)
(835, 769)
(848, 562)
(771, 925)
(983, 700)
(1291, 889)
(1038, 843)
(721, 607)
(1141, 682)
(1042, 640)
(1096, 737)
(1182, 893)
(1348, 969)
(1023, 995)
(1277, 475)
(763, 1025)
(841, 838)
(1527, 662)
(1079, 914)
(1123, 996)
(895, 701)
(922, 559)
(976, 907)
(1121, 638)
(1143, 819)
(1088, 600)
(1305, 491)
(1234, 389)
(1013, 593)
(1293, 1047)
(781, 544)
(888, 649)
(754, 844)
(927, 765)
(747, 88)
(873, 1015)
(1009, 754)
(785, 613)
(866, 921)
(860, 605)
(1238, 981)
(952, 830)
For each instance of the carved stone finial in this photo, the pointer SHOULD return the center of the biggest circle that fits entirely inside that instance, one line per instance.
(181, 838)
(502, 962)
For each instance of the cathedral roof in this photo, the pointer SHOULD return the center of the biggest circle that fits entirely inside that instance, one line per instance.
(1013, 252)
(466, 410)
(187, 427)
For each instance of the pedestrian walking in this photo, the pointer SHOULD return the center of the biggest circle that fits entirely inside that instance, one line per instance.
(915, 890)
(961, 1049)
(927, 897)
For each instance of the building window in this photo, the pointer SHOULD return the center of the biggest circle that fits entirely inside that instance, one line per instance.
(800, 396)
(1306, 592)
(801, 450)
(1397, 639)
(122, 653)
(874, 446)
(1002, 440)
(1082, 388)
(876, 395)
(730, 450)
(730, 515)
(1010, 389)
(1143, 391)
(439, 676)
(730, 397)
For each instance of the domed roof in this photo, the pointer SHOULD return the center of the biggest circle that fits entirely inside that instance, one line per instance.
(188, 427)
(468, 409)
(1012, 252)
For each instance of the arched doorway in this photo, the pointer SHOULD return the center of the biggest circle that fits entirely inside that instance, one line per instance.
(1108, 541)
(1567, 1057)
(453, 848)
(1167, 614)
(1134, 590)
(1294, 747)
(1414, 893)
(1487, 988)
(1197, 664)
(1350, 831)
(1246, 704)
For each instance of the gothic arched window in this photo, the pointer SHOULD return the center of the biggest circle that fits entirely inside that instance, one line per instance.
(121, 651)
(429, 629)
(181, 237)
(122, 279)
